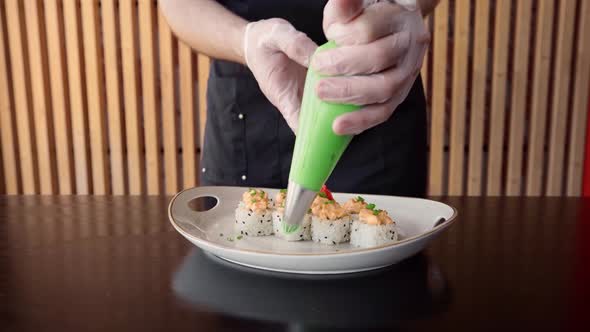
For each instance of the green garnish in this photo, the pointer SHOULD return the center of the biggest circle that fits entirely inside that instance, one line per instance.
(283, 191)
(230, 239)
(329, 202)
(360, 199)
(322, 194)
(309, 211)
(370, 206)
(252, 192)
(239, 237)
(253, 201)
(376, 212)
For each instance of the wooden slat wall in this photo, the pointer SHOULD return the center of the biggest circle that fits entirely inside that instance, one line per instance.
(540, 85)
(478, 97)
(99, 97)
(520, 82)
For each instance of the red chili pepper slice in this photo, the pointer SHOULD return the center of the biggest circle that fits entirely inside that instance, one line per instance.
(326, 191)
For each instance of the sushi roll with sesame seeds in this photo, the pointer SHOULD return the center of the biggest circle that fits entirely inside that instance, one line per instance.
(373, 228)
(254, 214)
(330, 223)
(303, 233)
(353, 206)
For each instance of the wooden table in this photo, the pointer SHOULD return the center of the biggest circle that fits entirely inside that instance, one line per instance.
(77, 263)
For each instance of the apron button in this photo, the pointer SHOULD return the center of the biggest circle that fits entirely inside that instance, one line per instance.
(240, 116)
(244, 177)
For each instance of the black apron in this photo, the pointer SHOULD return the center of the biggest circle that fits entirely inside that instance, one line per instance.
(248, 143)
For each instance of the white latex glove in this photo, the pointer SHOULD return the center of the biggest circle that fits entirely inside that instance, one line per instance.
(380, 53)
(278, 56)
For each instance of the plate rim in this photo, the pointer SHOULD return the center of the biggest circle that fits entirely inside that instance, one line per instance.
(358, 251)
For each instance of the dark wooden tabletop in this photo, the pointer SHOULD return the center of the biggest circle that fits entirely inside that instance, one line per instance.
(115, 264)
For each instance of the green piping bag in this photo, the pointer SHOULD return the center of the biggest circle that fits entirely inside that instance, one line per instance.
(317, 149)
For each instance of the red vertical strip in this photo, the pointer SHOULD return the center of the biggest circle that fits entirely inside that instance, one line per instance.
(586, 192)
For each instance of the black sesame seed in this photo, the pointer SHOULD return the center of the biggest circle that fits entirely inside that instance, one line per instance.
(241, 232)
(245, 233)
(333, 242)
(261, 221)
(356, 229)
(301, 235)
(259, 232)
(249, 215)
(392, 237)
(220, 234)
(325, 237)
(331, 225)
(263, 216)
(345, 235)
(243, 222)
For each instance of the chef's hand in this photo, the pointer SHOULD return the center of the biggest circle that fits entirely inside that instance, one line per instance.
(380, 53)
(278, 56)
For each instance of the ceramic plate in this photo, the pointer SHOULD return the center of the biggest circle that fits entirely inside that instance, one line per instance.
(419, 221)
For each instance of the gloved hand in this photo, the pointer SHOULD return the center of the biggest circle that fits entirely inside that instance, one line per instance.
(278, 56)
(380, 53)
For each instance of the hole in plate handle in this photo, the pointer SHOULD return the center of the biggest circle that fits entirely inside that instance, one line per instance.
(202, 203)
(439, 221)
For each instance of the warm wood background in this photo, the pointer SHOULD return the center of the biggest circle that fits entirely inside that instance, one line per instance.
(98, 97)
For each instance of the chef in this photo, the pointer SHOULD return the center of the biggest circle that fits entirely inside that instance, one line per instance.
(261, 50)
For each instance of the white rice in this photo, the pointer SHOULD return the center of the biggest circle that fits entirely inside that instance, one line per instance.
(252, 223)
(303, 233)
(330, 231)
(364, 235)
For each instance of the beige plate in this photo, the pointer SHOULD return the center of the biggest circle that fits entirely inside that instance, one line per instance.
(419, 220)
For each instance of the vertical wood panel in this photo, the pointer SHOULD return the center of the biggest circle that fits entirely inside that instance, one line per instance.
(498, 100)
(113, 95)
(187, 115)
(168, 105)
(203, 65)
(478, 97)
(9, 163)
(95, 96)
(579, 104)
(21, 99)
(150, 109)
(544, 37)
(425, 67)
(459, 88)
(77, 108)
(439, 76)
(561, 89)
(61, 125)
(518, 102)
(130, 80)
(39, 97)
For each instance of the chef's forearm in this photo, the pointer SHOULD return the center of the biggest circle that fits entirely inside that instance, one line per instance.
(207, 27)
(427, 6)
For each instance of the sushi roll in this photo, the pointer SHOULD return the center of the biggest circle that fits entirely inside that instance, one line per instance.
(353, 206)
(254, 214)
(373, 228)
(304, 230)
(330, 223)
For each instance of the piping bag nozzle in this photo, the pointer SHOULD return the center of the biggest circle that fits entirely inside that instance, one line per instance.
(298, 202)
